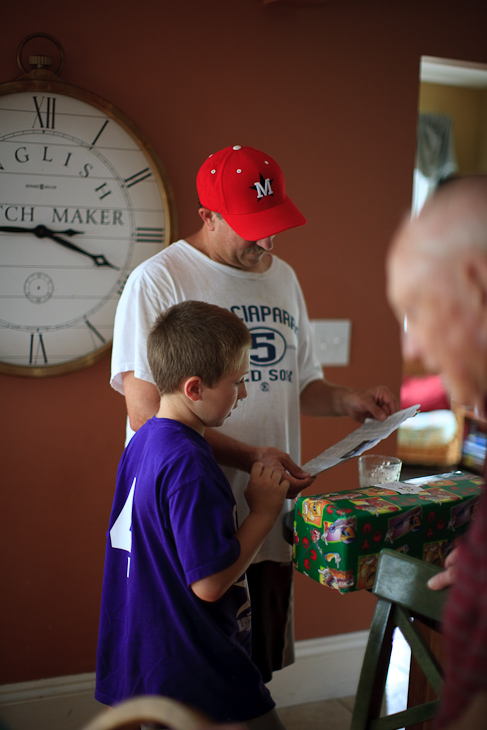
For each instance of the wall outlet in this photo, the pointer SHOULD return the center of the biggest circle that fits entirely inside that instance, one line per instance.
(332, 340)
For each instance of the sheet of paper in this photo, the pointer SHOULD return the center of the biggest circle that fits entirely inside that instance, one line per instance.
(368, 435)
(402, 487)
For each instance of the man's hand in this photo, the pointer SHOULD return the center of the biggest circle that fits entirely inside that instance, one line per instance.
(282, 462)
(448, 576)
(321, 398)
(377, 402)
(230, 452)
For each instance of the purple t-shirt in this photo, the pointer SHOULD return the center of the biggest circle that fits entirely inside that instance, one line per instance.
(173, 522)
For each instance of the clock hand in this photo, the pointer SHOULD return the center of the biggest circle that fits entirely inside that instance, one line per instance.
(15, 229)
(18, 229)
(99, 259)
(44, 232)
(69, 232)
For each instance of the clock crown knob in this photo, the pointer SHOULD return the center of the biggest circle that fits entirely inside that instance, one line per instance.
(40, 61)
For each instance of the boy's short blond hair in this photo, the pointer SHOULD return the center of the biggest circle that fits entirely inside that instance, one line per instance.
(195, 338)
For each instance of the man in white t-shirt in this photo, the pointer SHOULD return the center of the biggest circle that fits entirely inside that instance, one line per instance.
(243, 205)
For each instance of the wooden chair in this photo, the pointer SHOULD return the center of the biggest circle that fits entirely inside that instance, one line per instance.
(148, 710)
(403, 597)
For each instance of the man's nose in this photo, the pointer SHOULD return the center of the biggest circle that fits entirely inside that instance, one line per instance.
(266, 243)
(411, 348)
(242, 391)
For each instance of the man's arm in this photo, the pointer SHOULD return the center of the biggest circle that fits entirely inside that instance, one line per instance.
(230, 452)
(141, 398)
(320, 398)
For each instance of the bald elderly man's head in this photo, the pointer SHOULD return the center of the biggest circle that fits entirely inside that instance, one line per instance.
(437, 282)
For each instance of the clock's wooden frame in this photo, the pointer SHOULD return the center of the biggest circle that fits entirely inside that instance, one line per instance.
(44, 80)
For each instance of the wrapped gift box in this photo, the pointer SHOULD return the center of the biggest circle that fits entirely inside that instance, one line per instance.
(338, 536)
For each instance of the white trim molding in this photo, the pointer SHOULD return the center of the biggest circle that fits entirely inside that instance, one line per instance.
(325, 668)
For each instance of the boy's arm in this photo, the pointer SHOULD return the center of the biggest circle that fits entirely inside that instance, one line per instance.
(265, 494)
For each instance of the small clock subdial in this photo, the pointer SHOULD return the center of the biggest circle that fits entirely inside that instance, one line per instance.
(38, 287)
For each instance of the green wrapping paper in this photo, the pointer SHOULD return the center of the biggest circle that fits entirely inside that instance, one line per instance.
(338, 535)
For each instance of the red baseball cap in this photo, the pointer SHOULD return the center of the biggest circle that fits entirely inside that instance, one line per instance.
(247, 188)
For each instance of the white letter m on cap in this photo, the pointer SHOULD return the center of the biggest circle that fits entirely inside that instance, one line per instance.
(263, 189)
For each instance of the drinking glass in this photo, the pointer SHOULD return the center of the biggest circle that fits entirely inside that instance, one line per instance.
(376, 469)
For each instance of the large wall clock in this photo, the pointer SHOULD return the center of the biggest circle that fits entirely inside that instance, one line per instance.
(83, 200)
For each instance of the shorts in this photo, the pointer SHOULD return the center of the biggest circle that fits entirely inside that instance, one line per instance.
(271, 598)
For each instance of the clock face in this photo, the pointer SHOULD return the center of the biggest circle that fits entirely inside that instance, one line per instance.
(82, 203)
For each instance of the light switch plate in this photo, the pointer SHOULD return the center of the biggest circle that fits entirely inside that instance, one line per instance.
(332, 340)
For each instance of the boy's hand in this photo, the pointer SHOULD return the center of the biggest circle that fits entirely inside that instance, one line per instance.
(266, 491)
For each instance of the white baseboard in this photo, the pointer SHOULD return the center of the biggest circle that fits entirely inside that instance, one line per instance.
(57, 703)
(325, 668)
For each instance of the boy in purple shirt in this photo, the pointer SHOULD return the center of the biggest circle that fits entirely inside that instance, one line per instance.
(175, 613)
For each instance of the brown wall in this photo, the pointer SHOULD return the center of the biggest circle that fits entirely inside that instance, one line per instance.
(331, 92)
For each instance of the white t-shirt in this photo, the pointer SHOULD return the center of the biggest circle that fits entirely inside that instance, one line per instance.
(282, 362)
